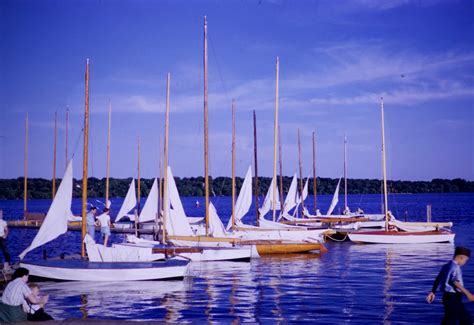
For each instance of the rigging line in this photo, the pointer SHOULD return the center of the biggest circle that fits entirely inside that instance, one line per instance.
(79, 136)
(218, 67)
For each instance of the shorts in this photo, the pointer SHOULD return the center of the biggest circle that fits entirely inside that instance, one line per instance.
(105, 231)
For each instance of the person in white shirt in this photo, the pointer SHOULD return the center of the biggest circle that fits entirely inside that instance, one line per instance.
(3, 242)
(15, 295)
(104, 222)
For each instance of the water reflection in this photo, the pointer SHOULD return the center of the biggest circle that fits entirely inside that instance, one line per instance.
(116, 300)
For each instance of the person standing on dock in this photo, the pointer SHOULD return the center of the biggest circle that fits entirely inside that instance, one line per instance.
(91, 221)
(3, 243)
(104, 223)
(451, 284)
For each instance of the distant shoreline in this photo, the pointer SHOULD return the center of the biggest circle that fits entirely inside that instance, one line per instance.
(39, 188)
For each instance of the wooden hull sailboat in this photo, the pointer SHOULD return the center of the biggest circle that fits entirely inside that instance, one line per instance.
(56, 224)
(399, 233)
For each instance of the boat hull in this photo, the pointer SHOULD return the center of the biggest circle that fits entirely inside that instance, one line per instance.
(83, 270)
(395, 237)
(289, 248)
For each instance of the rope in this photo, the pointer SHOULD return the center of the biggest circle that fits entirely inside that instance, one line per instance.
(337, 240)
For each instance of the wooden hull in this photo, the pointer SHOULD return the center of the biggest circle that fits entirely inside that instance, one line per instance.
(401, 237)
(83, 270)
(289, 248)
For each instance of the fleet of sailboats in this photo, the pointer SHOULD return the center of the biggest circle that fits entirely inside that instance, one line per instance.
(278, 228)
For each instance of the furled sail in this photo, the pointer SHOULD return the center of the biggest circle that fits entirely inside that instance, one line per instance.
(335, 199)
(150, 209)
(268, 203)
(55, 222)
(129, 202)
(176, 223)
(244, 201)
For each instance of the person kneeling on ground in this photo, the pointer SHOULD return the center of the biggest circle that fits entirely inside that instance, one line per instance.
(35, 312)
(15, 295)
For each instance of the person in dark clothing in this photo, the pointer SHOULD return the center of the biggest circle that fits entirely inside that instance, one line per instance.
(450, 282)
(3, 242)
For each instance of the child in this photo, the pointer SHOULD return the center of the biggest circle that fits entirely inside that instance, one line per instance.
(35, 312)
(104, 223)
(451, 284)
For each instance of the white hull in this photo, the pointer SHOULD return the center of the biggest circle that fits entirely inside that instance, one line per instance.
(219, 254)
(401, 238)
(79, 270)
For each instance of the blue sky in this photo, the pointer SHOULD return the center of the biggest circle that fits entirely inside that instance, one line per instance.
(336, 59)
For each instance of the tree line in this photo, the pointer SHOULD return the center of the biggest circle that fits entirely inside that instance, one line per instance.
(39, 188)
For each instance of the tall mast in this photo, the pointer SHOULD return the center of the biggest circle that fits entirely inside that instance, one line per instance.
(165, 203)
(345, 172)
(85, 160)
(107, 172)
(275, 140)
(138, 175)
(25, 178)
(315, 186)
(233, 164)
(281, 166)
(160, 177)
(54, 153)
(384, 166)
(301, 169)
(206, 140)
(255, 166)
(67, 135)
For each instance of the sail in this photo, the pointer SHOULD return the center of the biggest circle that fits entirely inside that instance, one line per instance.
(291, 197)
(150, 209)
(176, 223)
(55, 222)
(305, 193)
(129, 202)
(268, 202)
(216, 228)
(335, 199)
(244, 201)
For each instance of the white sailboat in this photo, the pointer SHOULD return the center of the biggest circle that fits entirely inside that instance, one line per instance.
(393, 234)
(83, 269)
(129, 203)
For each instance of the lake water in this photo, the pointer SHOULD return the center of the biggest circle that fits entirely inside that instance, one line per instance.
(349, 284)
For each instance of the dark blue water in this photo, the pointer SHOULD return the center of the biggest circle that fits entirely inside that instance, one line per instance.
(349, 284)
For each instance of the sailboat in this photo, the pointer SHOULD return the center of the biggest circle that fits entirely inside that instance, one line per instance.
(83, 269)
(393, 234)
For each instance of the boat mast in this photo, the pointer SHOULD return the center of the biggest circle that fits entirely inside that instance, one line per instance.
(345, 172)
(233, 165)
(54, 153)
(301, 171)
(138, 175)
(67, 133)
(314, 174)
(384, 167)
(255, 166)
(281, 167)
(165, 203)
(107, 176)
(84, 162)
(275, 140)
(160, 178)
(206, 140)
(25, 178)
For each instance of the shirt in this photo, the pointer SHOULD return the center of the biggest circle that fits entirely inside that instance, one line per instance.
(449, 273)
(104, 220)
(3, 225)
(15, 293)
(90, 219)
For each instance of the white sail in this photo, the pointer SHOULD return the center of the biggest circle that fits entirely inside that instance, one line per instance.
(150, 209)
(176, 223)
(335, 199)
(290, 200)
(268, 203)
(129, 202)
(216, 228)
(244, 201)
(55, 222)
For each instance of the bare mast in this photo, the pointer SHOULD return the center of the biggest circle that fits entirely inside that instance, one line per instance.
(233, 165)
(206, 140)
(315, 187)
(85, 160)
(275, 140)
(54, 153)
(384, 166)
(165, 203)
(257, 214)
(107, 172)
(301, 171)
(345, 172)
(25, 178)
